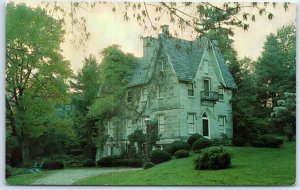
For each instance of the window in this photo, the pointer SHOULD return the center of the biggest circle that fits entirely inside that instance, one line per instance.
(143, 149)
(191, 122)
(144, 94)
(143, 125)
(205, 125)
(161, 124)
(190, 89)
(205, 66)
(128, 127)
(110, 129)
(163, 65)
(160, 91)
(221, 93)
(222, 122)
(129, 96)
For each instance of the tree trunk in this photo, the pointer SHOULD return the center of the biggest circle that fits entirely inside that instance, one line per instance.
(25, 152)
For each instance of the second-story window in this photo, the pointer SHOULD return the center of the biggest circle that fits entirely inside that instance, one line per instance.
(190, 89)
(143, 125)
(221, 93)
(163, 65)
(160, 91)
(144, 94)
(110, 128)
(129, 96)
(128, 127)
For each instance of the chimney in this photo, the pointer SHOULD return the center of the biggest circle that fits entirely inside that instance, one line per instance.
(165, 29)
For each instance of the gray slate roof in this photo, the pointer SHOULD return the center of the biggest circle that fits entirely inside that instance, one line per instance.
(185, 57)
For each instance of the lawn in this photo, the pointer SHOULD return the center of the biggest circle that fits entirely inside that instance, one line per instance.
(27, 179)
(250, 166)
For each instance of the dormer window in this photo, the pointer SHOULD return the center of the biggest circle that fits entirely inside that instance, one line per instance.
(205, 66)
(190, 89)
(160, 91)
(129, 96)
(144, 94)
(163, 65)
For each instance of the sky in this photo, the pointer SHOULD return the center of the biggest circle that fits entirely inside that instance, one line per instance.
(107, 27)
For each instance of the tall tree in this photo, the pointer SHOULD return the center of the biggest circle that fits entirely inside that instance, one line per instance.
(116, 70)
(36, 72)
(85, 89)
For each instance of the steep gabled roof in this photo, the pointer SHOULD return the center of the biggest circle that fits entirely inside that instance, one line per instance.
(185, 57)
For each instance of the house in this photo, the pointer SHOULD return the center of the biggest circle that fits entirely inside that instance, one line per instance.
(184, 85)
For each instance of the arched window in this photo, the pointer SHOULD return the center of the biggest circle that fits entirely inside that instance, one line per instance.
(205, 125)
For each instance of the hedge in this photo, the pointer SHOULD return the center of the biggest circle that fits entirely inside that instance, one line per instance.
(159, 156)
(193, 138)
(201, 143)
(176, 145)
(52, 165)
(181, 153)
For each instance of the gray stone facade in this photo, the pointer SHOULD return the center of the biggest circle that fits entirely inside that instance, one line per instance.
(184, 85)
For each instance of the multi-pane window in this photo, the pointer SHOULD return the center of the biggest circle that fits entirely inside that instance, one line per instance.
(161, 124)
(205, 66)
(163, 65)
(129, 96)
(160, 91)
(143, 149)
(144, 94)
(222, 122)
(190, 89)
(221, 93)
(143, 125)
(191, 122)
(128, 127)
(110, 128)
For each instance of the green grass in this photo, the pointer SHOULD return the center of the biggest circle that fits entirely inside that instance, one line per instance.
(250, 166)
(27, 179)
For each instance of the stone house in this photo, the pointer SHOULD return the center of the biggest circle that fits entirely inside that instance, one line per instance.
(184, 85)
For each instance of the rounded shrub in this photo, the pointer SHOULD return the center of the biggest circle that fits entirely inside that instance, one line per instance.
(8, 171)
(271, 141)
(238, 141)
(52, 165)
(257, 143)
(213, 158)
(159, 156)
(193, 138)
(201, 143)
(181, 153)
(148, 165)
(89, 163)
(176, 145)
(107, 161)
(133, 162)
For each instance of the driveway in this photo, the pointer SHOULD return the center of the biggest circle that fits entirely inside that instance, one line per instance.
(69, 176)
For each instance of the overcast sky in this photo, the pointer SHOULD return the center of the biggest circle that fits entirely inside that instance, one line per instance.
(107, 28)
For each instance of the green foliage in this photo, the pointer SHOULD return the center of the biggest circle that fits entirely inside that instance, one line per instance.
(148, 165)
(159, 156)
(116, 161)
(89, 163)
(138, 137)
(213, 158)
(239, 141)
(181, 153)
(193, 138)
(176, 145)
(201, 144)
(52, 165)
(266, 141)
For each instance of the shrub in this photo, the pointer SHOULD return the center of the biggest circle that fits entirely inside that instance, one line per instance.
(148, 165)
(176, 145)
(271, 141)
(181, 153)
(8, 171)
(201, 143)
(107, 161)
(213, 158)
(257, 143)
(193, 138)
(128, 162)
(52, 165)
(238, 141)
(159, 156)
(89, 163)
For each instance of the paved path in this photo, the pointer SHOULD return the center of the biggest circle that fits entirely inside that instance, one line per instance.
(69, 176)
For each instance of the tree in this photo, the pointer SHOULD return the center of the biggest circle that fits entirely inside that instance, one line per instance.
(84, 94)
(36, 73)
(116, 70)
(275, 69)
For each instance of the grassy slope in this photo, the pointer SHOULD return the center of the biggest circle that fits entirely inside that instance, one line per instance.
(27, 179)
(250, 166)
